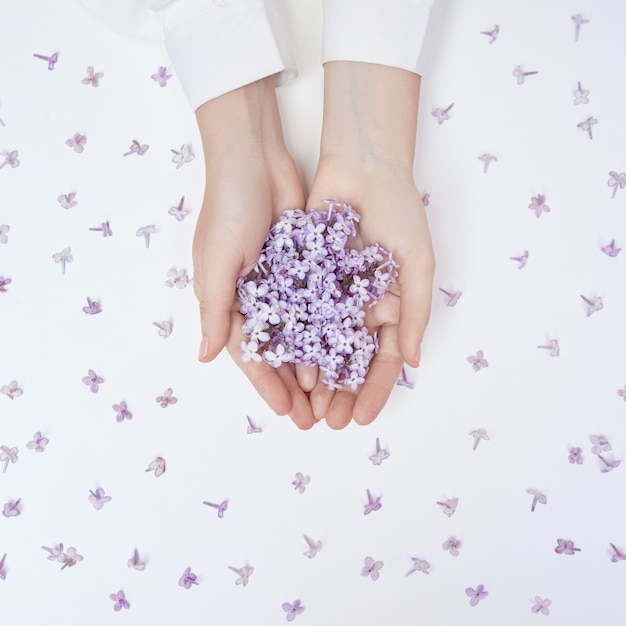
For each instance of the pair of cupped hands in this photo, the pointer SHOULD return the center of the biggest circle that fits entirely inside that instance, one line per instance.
(366, 160)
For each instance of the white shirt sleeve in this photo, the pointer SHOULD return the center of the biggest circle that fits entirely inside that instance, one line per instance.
(215, 45)
(388, 32)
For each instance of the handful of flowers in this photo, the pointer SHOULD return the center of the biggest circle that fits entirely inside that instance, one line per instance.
(303, 301)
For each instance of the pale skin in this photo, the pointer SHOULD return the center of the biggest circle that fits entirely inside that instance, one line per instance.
(366, 160)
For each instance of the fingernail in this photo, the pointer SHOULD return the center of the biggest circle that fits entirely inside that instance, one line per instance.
(418, 356)
(204, 349)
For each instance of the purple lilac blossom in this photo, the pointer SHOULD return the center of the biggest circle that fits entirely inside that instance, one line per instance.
(541, 606)
(419, 565)
(4, 229)
(221, 507)
(66, 200)
(380, 455)
(93, 307)
(137, 148)
(122, 412)
(10, 158)
(8, 455)
(476, 595)
(538, 205)
(120, 601)
(4, 282)
(478, 361)
(167, 398)
(449, 506)
(98, 498)
(452, 544)
(301, 481)
(565, 546)
(92, 78)
(178, 211)
(314, 547)
(304, 300)
(38, 443)
(292, 610)
(157, 466)
(161, 76)
(492, 34)
(12, 390)
(77, 142)
(135, 562)
(575, 456)
(52, 59)
(93, 381)
(187, 579)
(373, 504)
(610, 249)
(371, 568)
(244, 574)
(184, 156)
(3, 573)
(12, 509)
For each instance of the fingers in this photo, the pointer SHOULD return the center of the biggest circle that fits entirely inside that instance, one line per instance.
(300, 412)
(306, 375)
(320, 398)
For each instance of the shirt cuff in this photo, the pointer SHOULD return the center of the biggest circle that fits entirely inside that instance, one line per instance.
(387, 32)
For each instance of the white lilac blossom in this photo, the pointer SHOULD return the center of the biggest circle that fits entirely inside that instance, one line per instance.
(4, 229)
(104, 228)
(69, 558)
(292, 610)
(167, 398)
(600, 444)
(610, 249)
(93, 381)
(252, 429)
(93, 307)
(63, 257)
(145, 232)
(314, 547)
(419, 565)
(304, 300)
(77, 142)
(520, 74)
(135, 562)
(617, 555)
(120, 601)
(538, 205)
(10, 158)
(479, 434)
(178, 211)
(442, 114)
(449, 506)
(184, 156)
(578, 20)
(157, 466)
(92, 78)
(541, 606)
(221, 507)
(593, 305)
(492, 34)
(380, 455)
(4, 282)
(177, 278)
(371, 568)
(52, 59)
(137, 148)
(476, 595)
(12, 509)
(608, 465)
(165, 328)
(581, 96)
(373, 504)
(565, 546)
(121, 412)
(617, 181)
(301, 481)
(38, 443)
(187, 579)
(452, 544)
(479, 361)
(12, 390)
(553, 346)
(98, 498)
(8, 455)
(161, 77)
(66, 200)
(486, 159)
(520, 259)
(244, 574)
(586, 125)
(537, 497)
(453, 296)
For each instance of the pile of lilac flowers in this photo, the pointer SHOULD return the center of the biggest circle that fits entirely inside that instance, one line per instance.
(304, 300)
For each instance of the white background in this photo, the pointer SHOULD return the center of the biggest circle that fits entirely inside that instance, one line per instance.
(534, 407)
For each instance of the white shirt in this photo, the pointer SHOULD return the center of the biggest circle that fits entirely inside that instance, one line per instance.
(219, 45)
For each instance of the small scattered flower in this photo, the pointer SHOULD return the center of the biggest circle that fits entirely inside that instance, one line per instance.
(492, 34)
(575, 456)
(609, 249)
(301, 481)
(442, 114)
(135, 562)
(617, 555)
(541, 606)
(3, 573)
(314, 547)
(104, 228)
(38, 443)
(587, 124)
(419, 565)
(476, 595)
(4, 229)
(292, 610)
(452, 544)
(161, 76)
(617, 181)
(426, 199)
(581, 96)
(449, 506)
(66, 200)
(52, 59)
(120, 601)
(63, 257)
(578, 20)
(537, 497)
(487, 159)
(177, 278)
(453, 297)
(373, 504)
(10, 158)
(12, 390)
(622, 393)
(178, 212)
(252, 429)
(4, 283)
(98, 498)
(593, 305)
(56, 553)
(478, 361)
(608, 465)
(8, 455)
(93, 307)
(167, 398)
(380, 455)
(157, 466)
(244, 574)
(479, 434)
(137, 148)
(600, 444)
(93, 78)
(70, 558)
(165, 328)
(371, 568)
(145, 232)
(221, 507)
(184, 156)
(122, 412)
(12, 509)
(403, 380)
(520, 74)
(538, 205)
(187, 579)
(93, 381)
(565, 546)
(553, 346)
(77, 142)
(520, 259)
